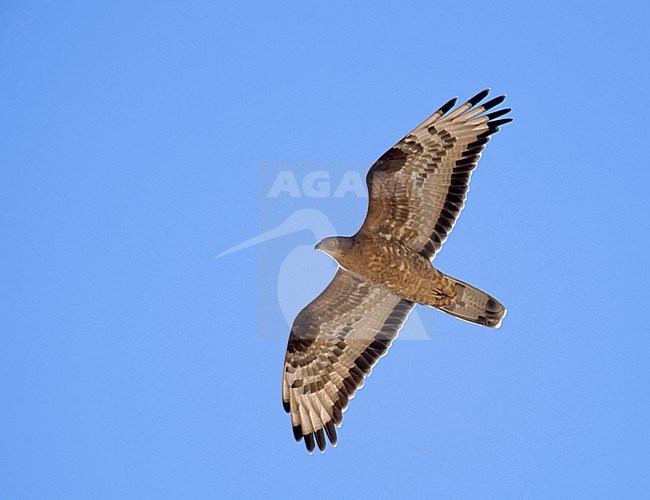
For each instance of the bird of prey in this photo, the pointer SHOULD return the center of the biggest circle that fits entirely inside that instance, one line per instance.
(416, 192)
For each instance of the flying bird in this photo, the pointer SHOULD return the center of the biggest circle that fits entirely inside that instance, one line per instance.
(417, 190)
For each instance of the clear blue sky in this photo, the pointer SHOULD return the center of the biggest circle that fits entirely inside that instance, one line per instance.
(137, 142)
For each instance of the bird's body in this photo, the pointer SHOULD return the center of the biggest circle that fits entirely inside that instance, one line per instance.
(417, 190)
(397, 268)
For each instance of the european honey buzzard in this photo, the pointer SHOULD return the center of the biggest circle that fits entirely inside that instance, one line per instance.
(416, 192)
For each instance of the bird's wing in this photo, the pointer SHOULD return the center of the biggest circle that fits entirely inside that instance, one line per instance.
(334, 343)
(419, 186)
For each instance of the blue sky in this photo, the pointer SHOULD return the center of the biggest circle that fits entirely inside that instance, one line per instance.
(139, 141)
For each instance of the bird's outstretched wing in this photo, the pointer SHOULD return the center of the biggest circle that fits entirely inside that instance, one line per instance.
(334, 343)
(419, 186)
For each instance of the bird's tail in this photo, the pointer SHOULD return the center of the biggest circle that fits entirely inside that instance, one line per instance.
(474, 305)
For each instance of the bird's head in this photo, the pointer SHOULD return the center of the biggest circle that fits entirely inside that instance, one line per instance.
(334, 246)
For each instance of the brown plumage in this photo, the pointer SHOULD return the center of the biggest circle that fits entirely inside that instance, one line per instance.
(416, 190)
(393, 266)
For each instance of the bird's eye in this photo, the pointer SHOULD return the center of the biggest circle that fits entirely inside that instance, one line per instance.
(332, 243)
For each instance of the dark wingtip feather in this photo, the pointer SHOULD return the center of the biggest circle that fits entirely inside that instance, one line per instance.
(479, 143)
(494, 102)
(448, 105)
(338, 415)
(297, 433)
(493, 127)
(330, 429)
(497, 114)
(479, 97)
(320, 440)
(287, 406)
(309, 442)
(498, 123)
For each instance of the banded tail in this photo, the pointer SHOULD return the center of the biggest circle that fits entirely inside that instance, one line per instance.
(474, 305)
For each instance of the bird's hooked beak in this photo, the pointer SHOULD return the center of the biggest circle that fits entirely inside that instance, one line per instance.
(317, 246)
